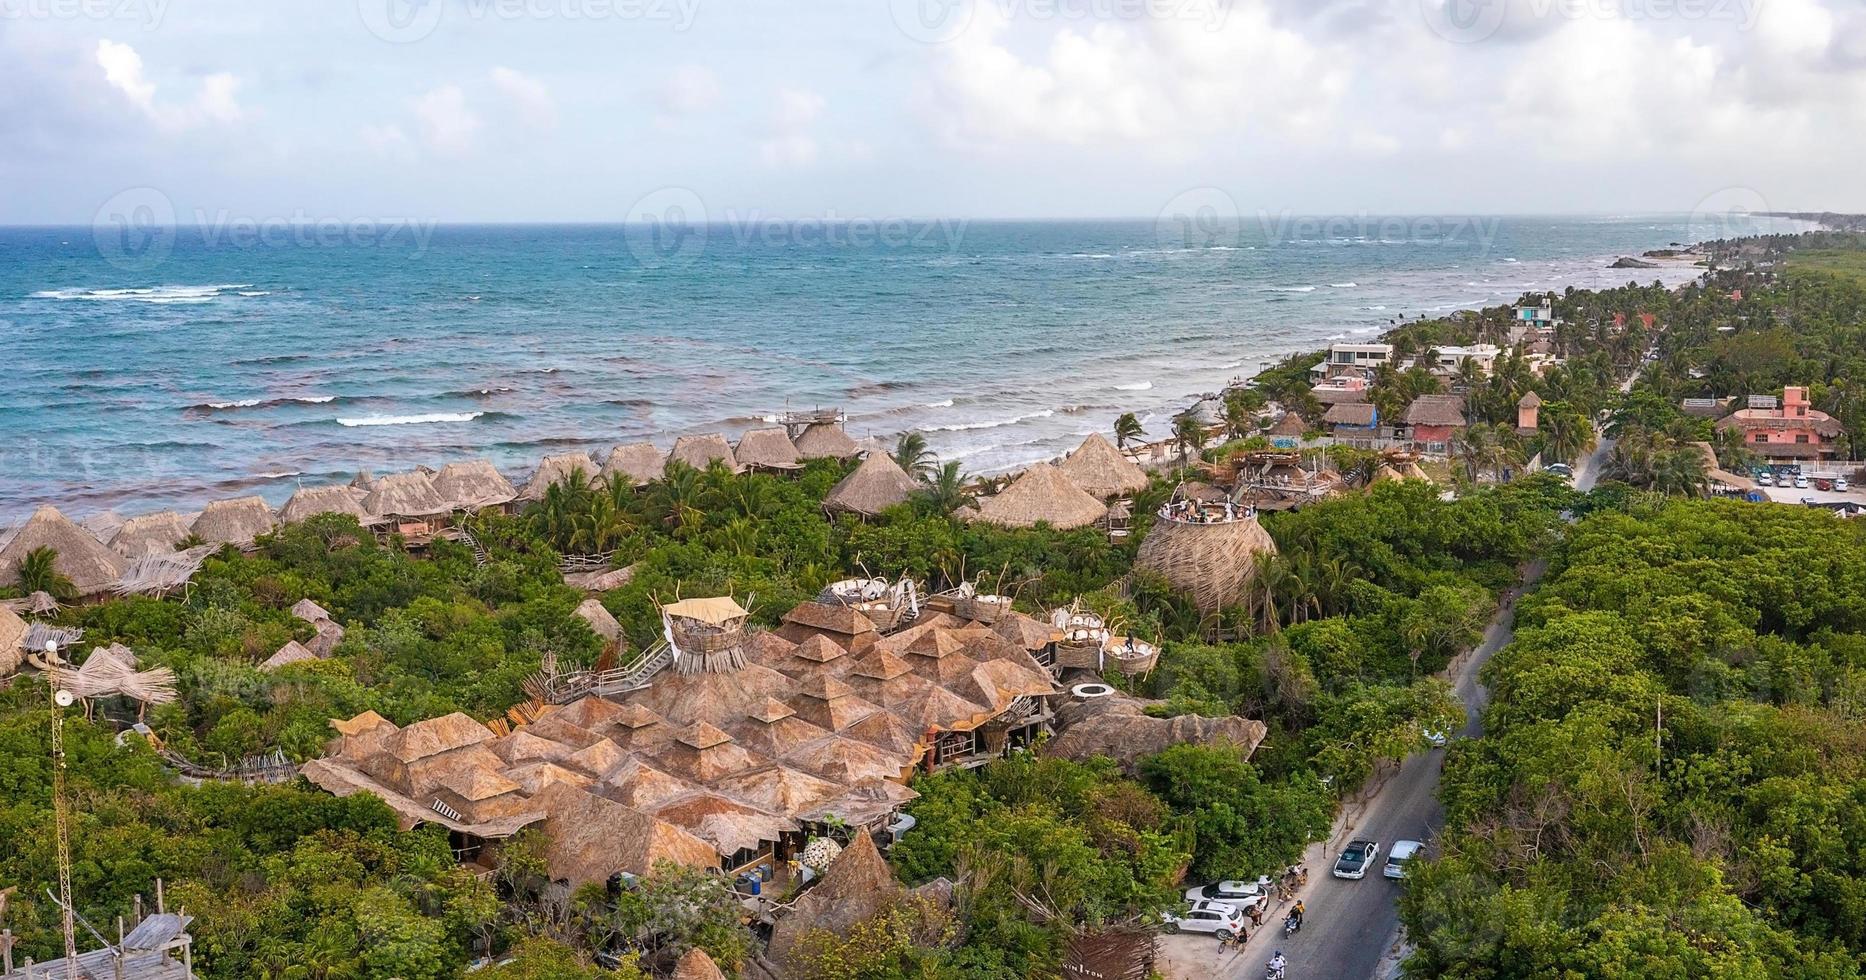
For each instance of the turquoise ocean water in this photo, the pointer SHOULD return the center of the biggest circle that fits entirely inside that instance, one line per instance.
(166, 373)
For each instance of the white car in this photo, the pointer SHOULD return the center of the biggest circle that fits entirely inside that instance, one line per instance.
(1243, 894)
(1356, 859)
(1436, 740)
(1842, 485)
(1801, 482)
(1402, 852)
(1205, 917)
(1764, 479)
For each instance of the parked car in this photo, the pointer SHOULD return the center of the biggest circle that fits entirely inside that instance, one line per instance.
(1402, 852)
(1243, 894)
(1764, 479)
(1436, 740)
(1205, 917)
(1842, 485)
(1801, 482)
(1354, 861)
(1562, 470)
(1823, 484)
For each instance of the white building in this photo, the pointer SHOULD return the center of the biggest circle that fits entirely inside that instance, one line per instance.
(1352, 359)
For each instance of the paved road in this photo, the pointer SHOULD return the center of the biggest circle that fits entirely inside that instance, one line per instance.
(1353, 926)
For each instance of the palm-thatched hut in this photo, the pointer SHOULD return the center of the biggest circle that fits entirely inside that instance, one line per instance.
(91, 567)
(638, 463)
(150, 534)
(557, 469)
(601, 622)
(877, 484)
(236, 522)
(12, 641)
(708, 634)
(104, 524)
(700, 451)
(291, 653)
(1042, 495)
(1101, 469)
(825, 440)
(473, 485)
(408, 495)
(1212, 563)
(309, 502)
(767, 449)
(857, 887)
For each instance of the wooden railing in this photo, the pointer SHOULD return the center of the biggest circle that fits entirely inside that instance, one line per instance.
(637, 674)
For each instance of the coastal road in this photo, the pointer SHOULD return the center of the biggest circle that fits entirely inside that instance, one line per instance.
(1352, 930)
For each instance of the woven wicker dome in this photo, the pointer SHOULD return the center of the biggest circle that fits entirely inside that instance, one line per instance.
(409, 494)
(769, 449)
(825, 440)
(1042, 495)
(700, 451)
(309, 502)
(150, 534)
(235, 522)
(1100, 469)
(81, 558)
(1212, 563)
(640, 463)
(473, 484)
(876, 485)
(556, 469)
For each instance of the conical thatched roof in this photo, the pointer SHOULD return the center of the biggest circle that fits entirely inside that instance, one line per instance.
(696, 965)
(1042, 495)
(857, 886)
(768, 449)
(876, 485)
(103, 525)
(825, 440)
(84, 560)
(640, 463)
(1100, 469)
(473, 484)
(700, 451)
(291, 653)
(236, 522)
(1210, 562)
(1291, 425)
(12, 634)
(410, 494)
(150, 534)
(556, 469)
(309, 502)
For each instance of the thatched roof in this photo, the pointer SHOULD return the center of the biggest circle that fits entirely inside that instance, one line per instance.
(1291, 425)
(104, 524)
(604, 624)
(472, 485)
(857, 887)
(640, 463)
(90, 566)
(556, 469)
(769, 449)
(825, 440)
(236, 522)
(1210, 562)
(696, 965)
(876, 485)
(1529, 400)
(600, 580)
(309, 502)
(12, 634)
(1042, 495)
(310, 611)
(700, 451)
(1436, 410)
(1357, 414)
(590, 838)
(150, 534)
(410, 494)
(1099, 468)
(1118, 727)
(291, 653)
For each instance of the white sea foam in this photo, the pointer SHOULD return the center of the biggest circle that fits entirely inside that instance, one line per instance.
(940, 404)
(281, 474)
(410, 419)
(1343, 285)
(1135, 386)
(1289, 289)
(242, 403)
(999, 423)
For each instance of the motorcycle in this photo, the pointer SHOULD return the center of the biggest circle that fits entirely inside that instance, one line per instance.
(1273, 972)
(1290, 925)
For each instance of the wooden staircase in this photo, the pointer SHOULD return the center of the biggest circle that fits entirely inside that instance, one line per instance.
(637, 674)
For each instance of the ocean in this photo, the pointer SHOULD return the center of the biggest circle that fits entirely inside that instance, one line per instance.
(218, 361)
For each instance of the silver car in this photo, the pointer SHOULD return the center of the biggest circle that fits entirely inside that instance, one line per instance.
(1402, 852)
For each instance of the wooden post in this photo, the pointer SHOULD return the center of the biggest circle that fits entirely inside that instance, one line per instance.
(6, 950)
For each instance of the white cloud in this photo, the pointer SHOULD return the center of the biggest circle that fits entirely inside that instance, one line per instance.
(446, 124)
(528, 96)
(690, 89)
(217, 102)
(792, 142)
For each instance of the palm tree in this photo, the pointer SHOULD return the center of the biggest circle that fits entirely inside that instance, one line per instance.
(1126, 429)
(38, 572)
(912, 454)
(1679, 472)
(1238, 418)
(944, 489)
(678, 497)
(1188, 431)
(1566, 434)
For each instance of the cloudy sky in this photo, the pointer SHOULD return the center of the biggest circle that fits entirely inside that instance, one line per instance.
(577, 110)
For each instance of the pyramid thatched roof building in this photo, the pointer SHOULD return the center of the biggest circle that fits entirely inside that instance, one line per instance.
(600, 620)
(473, 485)
(1291, 426)
(291, 653)
(876, 485)
(700, 451)
(767, 449)
(639, 463)
(557, 469)
(1098, 467)
(236, 522)
(150, 534)
(857, 887)
(90, 566)
(1042, 495)
(410, 494)
(825, 440)
(309, 502)
(1212, 563)
(12, 638)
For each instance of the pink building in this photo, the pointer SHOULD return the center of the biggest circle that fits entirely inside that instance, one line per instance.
(1795, 431)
